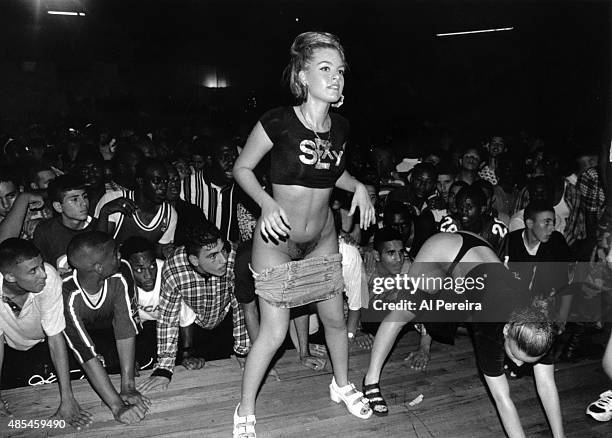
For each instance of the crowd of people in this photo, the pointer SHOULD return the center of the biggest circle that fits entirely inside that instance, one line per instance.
(118, 250)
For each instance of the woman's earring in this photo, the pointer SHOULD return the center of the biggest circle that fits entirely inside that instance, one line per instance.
(339, 103)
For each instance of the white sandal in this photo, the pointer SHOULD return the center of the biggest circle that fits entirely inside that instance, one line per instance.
(244, 427)
(354, 400)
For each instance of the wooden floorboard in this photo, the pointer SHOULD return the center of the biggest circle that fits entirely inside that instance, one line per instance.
(455, 403)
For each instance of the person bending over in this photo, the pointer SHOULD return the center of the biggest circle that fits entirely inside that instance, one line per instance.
(96, 298)
(32, 310)
(506, 325)
(199, 275)
(147, 270)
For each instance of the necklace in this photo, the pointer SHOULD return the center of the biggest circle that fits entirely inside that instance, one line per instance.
(311, 127)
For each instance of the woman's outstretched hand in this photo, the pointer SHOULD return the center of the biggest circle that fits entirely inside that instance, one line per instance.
(274, 221)
(361, 200)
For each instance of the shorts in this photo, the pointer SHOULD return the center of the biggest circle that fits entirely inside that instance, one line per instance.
(301, 282)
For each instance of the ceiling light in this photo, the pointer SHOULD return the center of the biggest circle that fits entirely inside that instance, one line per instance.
(501, 29)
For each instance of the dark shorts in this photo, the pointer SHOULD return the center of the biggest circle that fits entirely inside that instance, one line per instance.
(301, 282)
(244, 285)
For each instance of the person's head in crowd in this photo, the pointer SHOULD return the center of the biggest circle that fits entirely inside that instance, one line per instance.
(470, 159)
(539, 217)
(152, 180)
(124, 165)
(389, 250)
(433, 157)
(69, 198)
(540, 188)
(534, 162)
(224, 155)
(39, 177)
(9, 190)
(140, 254)
(181, 165)
(372, 185)
(452, 193)
(94, 253)
(508, 172)
(34, 148)
(471, 205)
(384, 162)
(201, 155)
(446, 177)
(489, 192)
(13, 151)
(174, 184)
(22, 266)
(72, 146)
(146, 146)
(90, 166)
(206, 251)
(105, 142)
(496, 146)
(585, 158)
(528, 335)
(397, 216)
(423, 180)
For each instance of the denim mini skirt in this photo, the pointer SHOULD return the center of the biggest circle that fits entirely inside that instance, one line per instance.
(301, 282)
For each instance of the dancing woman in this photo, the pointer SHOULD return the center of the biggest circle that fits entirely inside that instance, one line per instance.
(507, 326)
(295, 257)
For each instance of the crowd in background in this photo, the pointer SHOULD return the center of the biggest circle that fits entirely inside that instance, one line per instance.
(155, 191)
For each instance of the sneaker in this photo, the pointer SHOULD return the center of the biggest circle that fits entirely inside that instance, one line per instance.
(601, 410)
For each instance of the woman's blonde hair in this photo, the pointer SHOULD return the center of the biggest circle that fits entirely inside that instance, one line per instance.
(301, 54)
(532, 330)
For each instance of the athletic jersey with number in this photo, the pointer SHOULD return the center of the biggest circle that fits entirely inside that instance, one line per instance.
(493, 230)
(148, 302)
(159, 230)
(299, 157)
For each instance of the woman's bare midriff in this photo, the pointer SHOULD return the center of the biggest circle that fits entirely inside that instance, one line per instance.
(312, 231)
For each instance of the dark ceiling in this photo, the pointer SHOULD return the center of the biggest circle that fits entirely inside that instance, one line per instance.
(553, 67)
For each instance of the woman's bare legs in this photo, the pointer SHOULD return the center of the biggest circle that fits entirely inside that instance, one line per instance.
(383, 342)
(331, 313)
(272, 333)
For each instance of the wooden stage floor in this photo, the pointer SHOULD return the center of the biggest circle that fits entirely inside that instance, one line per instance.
(455, 403)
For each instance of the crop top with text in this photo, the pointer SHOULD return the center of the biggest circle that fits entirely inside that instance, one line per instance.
(298, 157)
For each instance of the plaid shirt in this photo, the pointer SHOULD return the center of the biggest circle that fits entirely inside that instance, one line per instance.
(591, 191)
(575, 227)
(210, 298)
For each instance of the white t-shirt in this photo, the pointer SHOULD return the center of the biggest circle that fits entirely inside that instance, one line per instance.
(148, 302)
(42, 314)
(353, 272)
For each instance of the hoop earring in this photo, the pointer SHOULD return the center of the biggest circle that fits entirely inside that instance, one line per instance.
(339, 103)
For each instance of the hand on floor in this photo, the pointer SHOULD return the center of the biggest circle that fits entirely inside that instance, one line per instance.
(152, 383)
(419, 359)
(315, 363)
(362, 340)
(70, 411)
